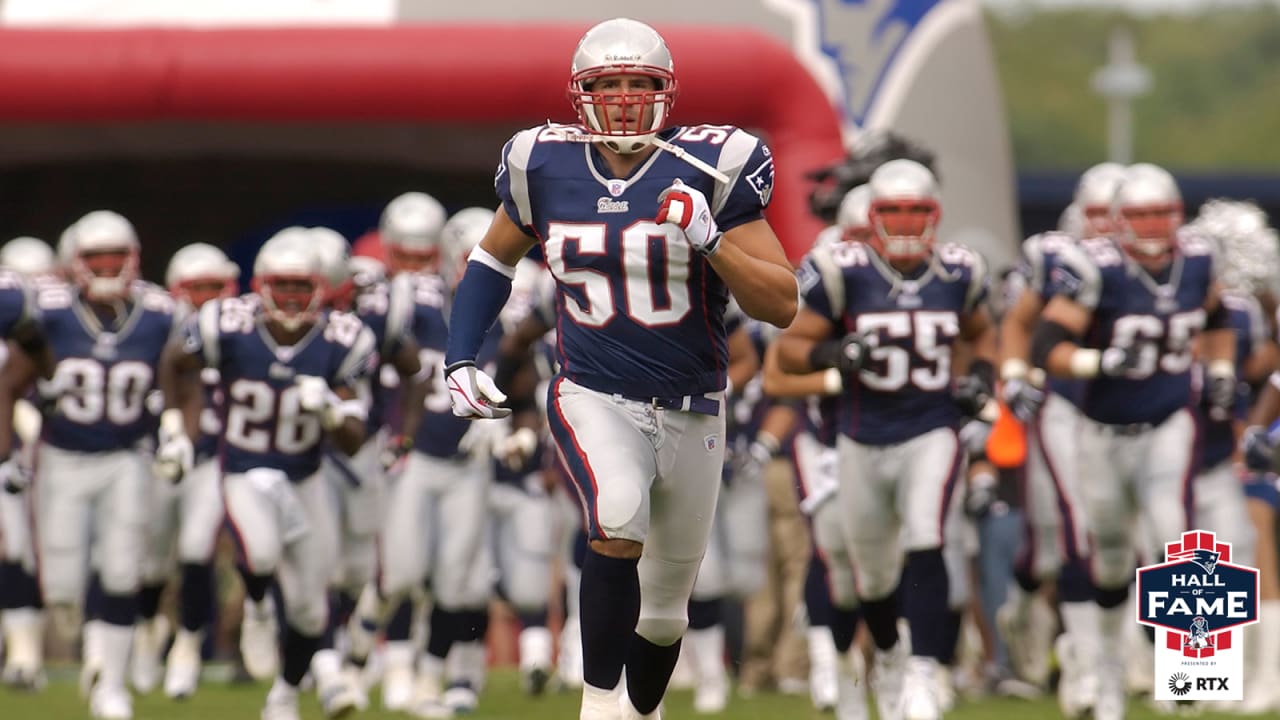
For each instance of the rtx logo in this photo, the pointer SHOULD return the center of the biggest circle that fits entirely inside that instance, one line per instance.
(1212, 683)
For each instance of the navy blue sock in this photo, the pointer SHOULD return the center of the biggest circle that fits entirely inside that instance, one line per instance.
(609, 606)
(197, 596)
(149, 601)
(1074, 584)
(255, 586)
(93, 598)
(950, 636)
(581, 546)
(844, 625)
(882, 620)
(444, 630)
(18, 588)
(298, 649)
(331, 624)
(817, 596)
(401, 625)
(472, 625)
(1111, 598)
(704, 614)
(649, 669)
(533, 618)
(925, 586)
(119, 609)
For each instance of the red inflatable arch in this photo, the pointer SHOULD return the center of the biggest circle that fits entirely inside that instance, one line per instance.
(474, 74)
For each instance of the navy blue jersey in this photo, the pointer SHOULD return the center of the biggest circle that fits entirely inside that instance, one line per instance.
(1131, 307)
(265, 426)
(388, 309)
(904, 387)
(1040, 254)
(638, 312)
(1251, 331)
(105, 372)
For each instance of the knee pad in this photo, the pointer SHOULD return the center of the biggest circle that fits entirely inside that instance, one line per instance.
(1112, 564)
(309, 616)
(617, 507)
(662, 631)
(877, 574)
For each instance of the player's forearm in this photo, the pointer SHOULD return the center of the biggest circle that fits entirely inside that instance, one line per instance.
(481, 294)
(348, 436)
(780, 384)
(1220, 345)
(793, 354)
(411, 404)
(1266, 408)
(765, 290)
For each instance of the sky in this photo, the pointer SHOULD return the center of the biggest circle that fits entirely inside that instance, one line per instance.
(1144, 6)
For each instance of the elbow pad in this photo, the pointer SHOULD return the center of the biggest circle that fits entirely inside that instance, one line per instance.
(1048, 335)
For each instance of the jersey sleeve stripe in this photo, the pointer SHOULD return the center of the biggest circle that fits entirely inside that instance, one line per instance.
(518, 173)
(399, 310)
(361, 349)
(733, 157)
(977, 283)
(832, 279)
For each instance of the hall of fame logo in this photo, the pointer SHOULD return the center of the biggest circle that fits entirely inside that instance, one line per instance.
(1198, 600)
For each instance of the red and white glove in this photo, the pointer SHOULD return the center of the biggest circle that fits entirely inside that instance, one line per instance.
(474, 393)
(687, 208)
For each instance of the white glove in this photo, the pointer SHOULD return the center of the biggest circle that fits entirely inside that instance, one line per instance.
(483, 437)
(515, 449)
(474, 393)
(175, 453)
(315, 397)
(687, 208)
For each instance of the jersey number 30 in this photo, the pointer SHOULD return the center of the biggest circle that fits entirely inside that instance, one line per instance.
(656, 288)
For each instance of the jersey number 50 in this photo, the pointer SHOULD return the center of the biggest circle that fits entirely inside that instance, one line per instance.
(656, 289)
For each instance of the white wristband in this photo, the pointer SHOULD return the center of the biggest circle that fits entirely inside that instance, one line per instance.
(1014, 369)
(1086, 362)
(172, 423)
(1221, 368)
(832, 382)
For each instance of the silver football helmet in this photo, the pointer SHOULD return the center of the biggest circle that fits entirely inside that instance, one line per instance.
(1094, 191)
(904, 211)
(288, 276)
(853, 215)
(1248, 247)
(625, 121)
(28, 256)
(104, 255)
(1147, 211)
(410, 231)
(461, 234)
(201, 272)
(335, 262)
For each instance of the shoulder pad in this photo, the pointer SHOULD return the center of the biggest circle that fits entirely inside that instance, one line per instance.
(54, 296)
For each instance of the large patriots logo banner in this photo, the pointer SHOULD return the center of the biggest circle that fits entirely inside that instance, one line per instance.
(1198, 600)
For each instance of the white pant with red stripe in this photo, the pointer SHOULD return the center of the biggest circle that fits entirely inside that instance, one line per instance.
(183, 521)
(1055, 509)
(1130, 473)
(896, 499)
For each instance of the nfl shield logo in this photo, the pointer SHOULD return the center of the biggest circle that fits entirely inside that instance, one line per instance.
(617, 187)
(711, 442)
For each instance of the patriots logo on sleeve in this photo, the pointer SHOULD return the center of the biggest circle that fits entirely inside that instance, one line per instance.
(1065, 281)
(807, 276)
(762, 181)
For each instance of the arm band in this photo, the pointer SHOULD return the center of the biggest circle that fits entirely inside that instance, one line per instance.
(1219, 319)
(476, 304)
(1048, 335)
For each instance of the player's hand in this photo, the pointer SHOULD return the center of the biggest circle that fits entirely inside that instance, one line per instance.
(315, 397)
(515, 450)
(846, 354)
(1220, 394)
(15, 475)
(980, 495)
(394, 454)
(687, 208)
(747, 466)
(1259, 448)
(971, 394)
(1023, 398)
(474, 393)
(175, 453)
(1121, 361)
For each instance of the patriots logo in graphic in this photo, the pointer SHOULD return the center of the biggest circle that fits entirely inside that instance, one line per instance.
(1207, 560)
(762, 181)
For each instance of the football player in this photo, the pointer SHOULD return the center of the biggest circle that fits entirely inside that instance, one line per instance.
(899, 317)
(289, 372)
(410, 233)
(644, 273)
(21, 607)
(836, 675)
(105, 334)
(1058, 541)
(28, 256)
(1124, 317)
(189, 512)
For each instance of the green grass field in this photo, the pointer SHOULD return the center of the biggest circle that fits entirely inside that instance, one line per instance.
(502, 701)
